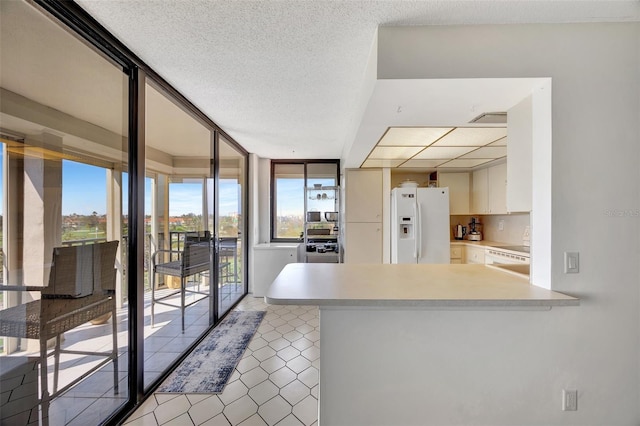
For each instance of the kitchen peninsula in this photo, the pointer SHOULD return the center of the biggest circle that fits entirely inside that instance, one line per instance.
(399, 341)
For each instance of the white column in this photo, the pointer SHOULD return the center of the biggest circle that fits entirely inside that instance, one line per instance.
(114, 224)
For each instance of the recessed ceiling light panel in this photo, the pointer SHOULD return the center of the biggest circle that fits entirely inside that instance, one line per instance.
(499, 142)
(490, 152)
(465, 163)
(472, 136)
(422, 164)
(413, 136)
(381, 163)
(443, 152)
(394, 152)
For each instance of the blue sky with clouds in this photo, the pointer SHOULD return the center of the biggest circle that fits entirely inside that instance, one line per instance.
(84, 191)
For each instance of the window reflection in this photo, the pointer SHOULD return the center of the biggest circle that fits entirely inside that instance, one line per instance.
(63, 134)
(231, 216)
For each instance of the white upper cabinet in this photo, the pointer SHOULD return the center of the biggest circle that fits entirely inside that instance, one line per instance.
(363, 195)
(497, 182)
(489, 193)
(519, 154)
(480, 192)
(459, 191)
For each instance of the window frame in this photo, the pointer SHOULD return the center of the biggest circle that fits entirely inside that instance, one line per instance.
(272, 194)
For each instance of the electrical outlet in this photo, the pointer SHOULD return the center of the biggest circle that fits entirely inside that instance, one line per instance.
(501, 225)
(569, 400)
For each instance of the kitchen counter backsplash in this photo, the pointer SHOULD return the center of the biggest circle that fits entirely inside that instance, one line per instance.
(513, 226)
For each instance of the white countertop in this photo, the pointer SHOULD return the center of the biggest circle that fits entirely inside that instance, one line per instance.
(380, 285)
(488, 245)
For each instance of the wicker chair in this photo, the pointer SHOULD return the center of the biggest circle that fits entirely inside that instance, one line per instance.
(81, 288)
(193, 259)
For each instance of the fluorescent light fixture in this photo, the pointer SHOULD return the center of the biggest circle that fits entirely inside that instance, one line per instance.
(465, 163)
(490, 152)
(499, 142)
(394, 152)
(438, 147)
(381, 163)
(442, 152)
(413, 136)
(472, 136)
(422, 163)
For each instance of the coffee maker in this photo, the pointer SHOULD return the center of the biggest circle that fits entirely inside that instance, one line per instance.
(474, 230)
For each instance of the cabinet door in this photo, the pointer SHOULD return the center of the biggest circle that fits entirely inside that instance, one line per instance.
(519, 156)
(497, 178)
(363, 195)
(458, 184)
(480, 193)
(267, 265)
(457, 254)
(363, 243)
(474, 255)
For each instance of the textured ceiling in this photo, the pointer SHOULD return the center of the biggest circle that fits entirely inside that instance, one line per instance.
(284, 78)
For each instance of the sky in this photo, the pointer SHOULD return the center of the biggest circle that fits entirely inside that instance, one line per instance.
(290, 197)
(84, 191)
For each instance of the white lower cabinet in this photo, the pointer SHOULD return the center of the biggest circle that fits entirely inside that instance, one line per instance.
(457, 254)
(474, 254)
(363, 242)
(268, 261)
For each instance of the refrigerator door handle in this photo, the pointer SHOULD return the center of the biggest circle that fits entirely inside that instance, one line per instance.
(415, 232)
(419, 233)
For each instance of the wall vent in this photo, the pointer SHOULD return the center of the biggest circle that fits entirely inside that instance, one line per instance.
(491, 118)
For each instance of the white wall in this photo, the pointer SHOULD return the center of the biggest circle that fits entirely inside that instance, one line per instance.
(595, 194)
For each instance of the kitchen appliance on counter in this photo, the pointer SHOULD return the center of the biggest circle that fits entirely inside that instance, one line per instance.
(331, 216)
(459, 232)
(313, 216)
(474, 230)
(420, 230)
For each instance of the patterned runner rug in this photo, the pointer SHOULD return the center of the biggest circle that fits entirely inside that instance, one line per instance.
(209, 366)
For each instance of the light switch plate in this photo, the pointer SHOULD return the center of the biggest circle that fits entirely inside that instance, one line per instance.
(569, 400)
(571, 262)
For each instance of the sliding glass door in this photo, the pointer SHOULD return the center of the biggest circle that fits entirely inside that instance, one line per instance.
(231, 225)
(178, 264)
(112, 203)
(64, 141)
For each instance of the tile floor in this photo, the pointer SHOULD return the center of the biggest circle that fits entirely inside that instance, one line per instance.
(93, 400)
(275, 383)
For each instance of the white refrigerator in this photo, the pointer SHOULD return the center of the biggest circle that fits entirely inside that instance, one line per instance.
(420, 231)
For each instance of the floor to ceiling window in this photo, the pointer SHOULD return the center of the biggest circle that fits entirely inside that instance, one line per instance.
(178, 288)
(63, 128)
(116, 310)
(231, 219)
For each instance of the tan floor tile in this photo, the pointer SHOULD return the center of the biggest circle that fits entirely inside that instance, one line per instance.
(307, 410)
(206, 409)
(172, 409)
(240, 410)
(274, 410)
(295, 392)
